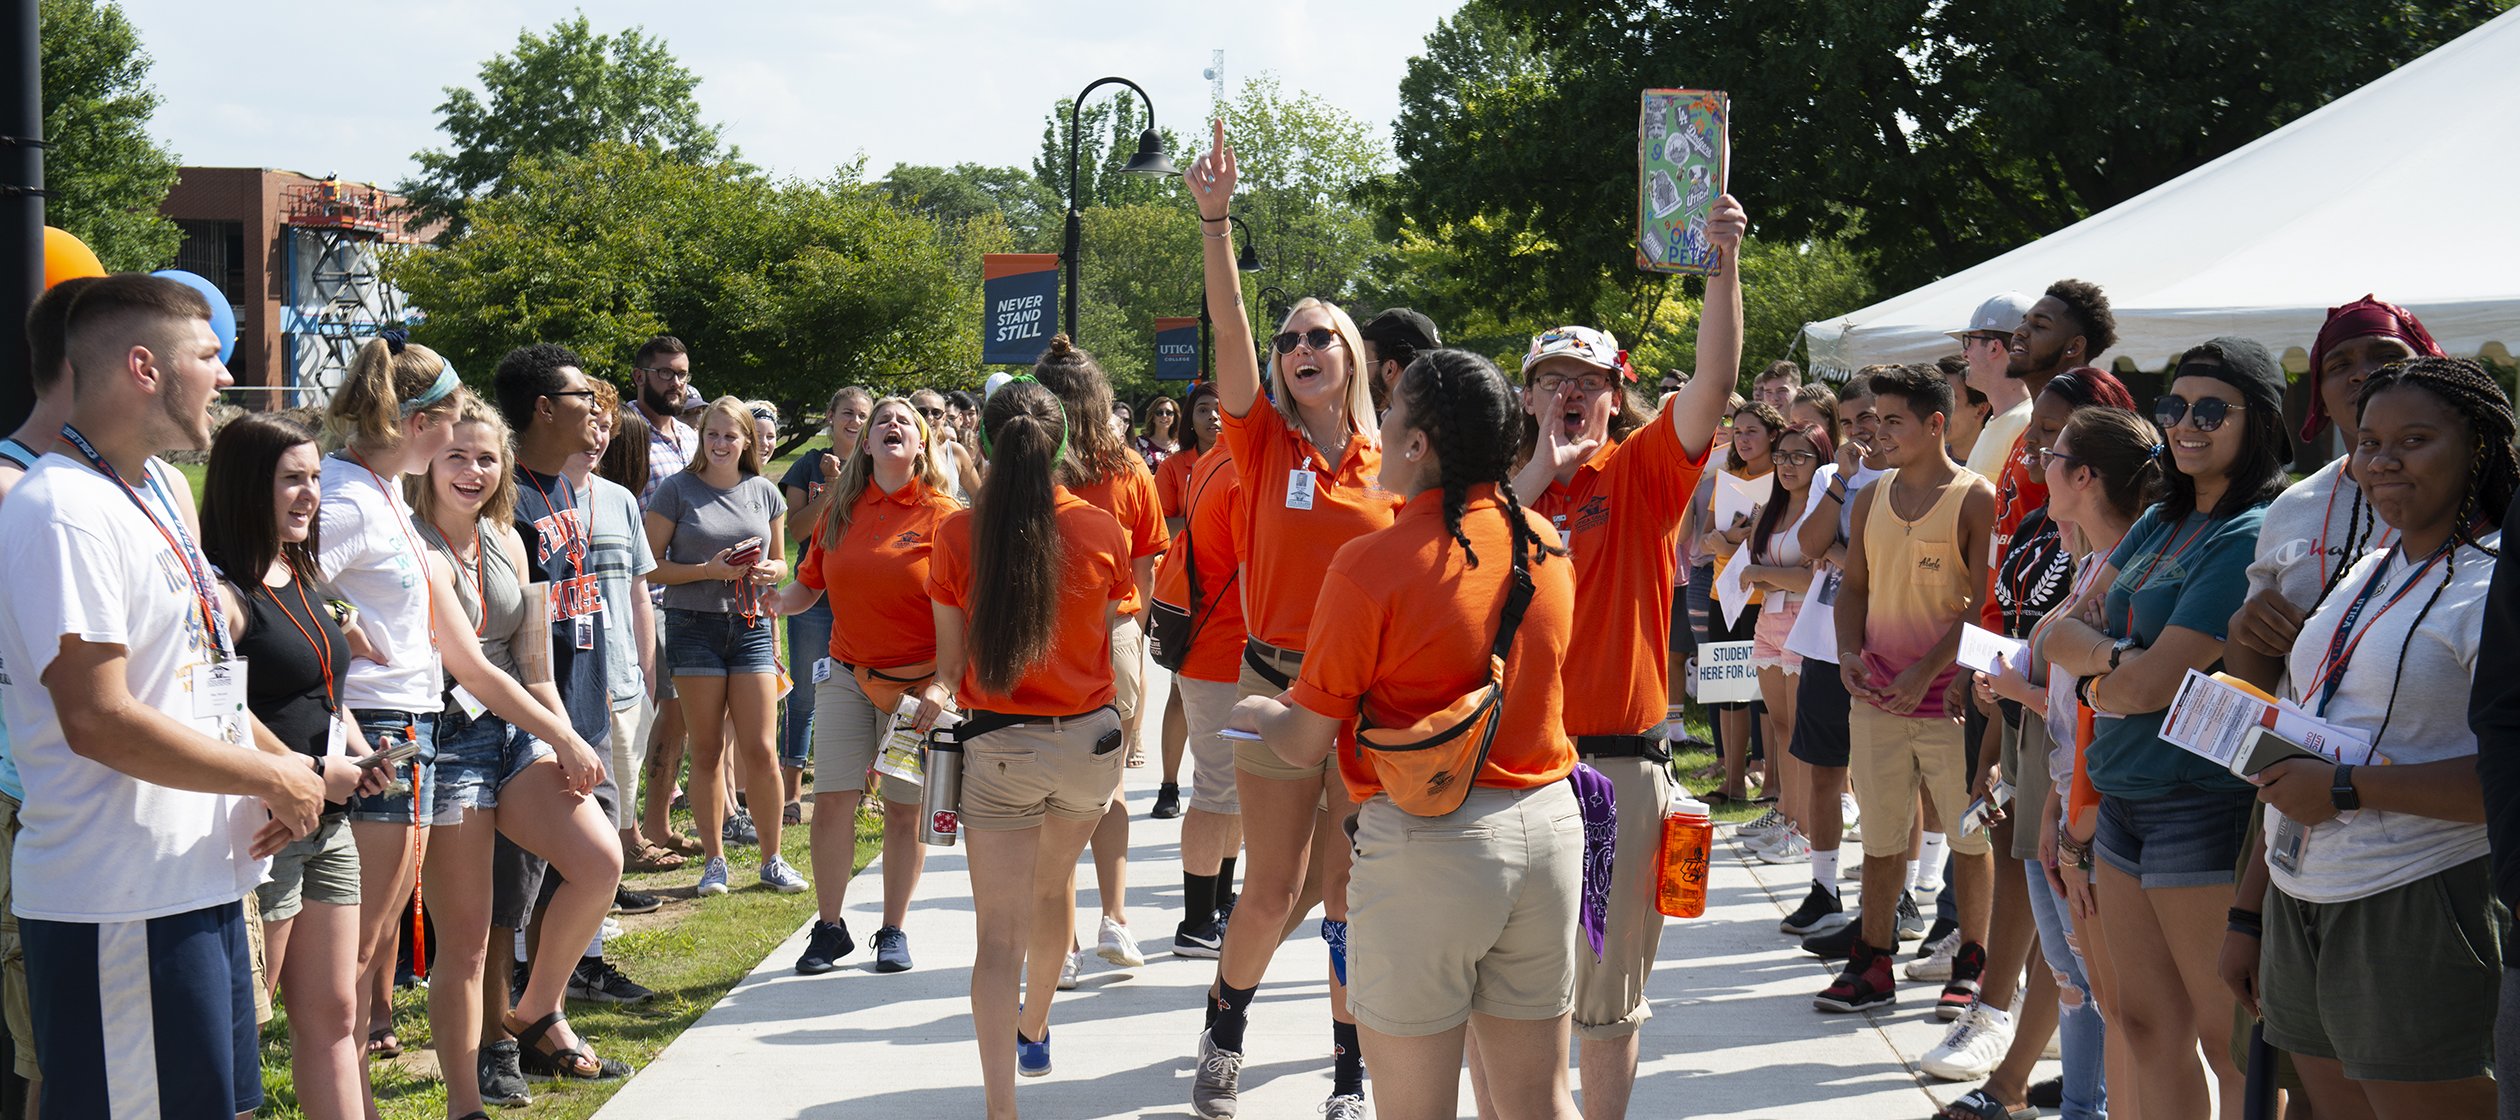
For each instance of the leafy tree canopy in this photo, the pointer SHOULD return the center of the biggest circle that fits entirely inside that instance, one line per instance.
(105, 175)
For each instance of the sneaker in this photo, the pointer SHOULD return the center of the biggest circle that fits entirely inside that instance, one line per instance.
(1204, 940)
(713, 877)
(1820, 910)
(1837, 944)
(1968, 967)
(1117, 946)
(595, 980)
(502, 1078)
(1216, 1087)
(739, 829)
(1851, 816)
(1167, 802)
(1936, 965)
(609, 930)
(2048, 1094)
(1032, 1059)
(1941, 929)
(1765, 823)
(1972, 1047)
(1911, 919)
(892, 950)
(1345, 1106)
(1067, 971)
(627, 901)
(1789, 847)
(1865, 984)
(824, 947)
(778, 876)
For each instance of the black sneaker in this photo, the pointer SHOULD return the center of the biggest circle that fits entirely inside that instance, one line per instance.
(1911, 919)
(739, 829)
(1866, 983)
(892, 950)
(517, 978)
(2048, 1094)
(627, 901)
(1204, 940)
(1820, 911)
(1934, 934)
(595, 980)
(502, 1078)
(1167, 802)
(1837, 944)
(824, 947)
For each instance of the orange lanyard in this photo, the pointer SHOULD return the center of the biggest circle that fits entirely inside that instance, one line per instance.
(323, 649)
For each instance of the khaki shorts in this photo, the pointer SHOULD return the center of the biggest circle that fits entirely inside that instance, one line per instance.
(1206, 705)
(629, 753)
(1470, 911)
(1610, 992)
(1015, 776)
(20, 1011)
(1128, 666)
(1893, 756)
(1257, 758)
(848, 733)
(320, 867)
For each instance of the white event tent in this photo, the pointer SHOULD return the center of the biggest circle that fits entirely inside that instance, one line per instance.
(2404, 188)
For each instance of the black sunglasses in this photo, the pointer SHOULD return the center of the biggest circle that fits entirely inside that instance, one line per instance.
(931, 413)
(587, 393)
(1319, 338)
(2205, 413)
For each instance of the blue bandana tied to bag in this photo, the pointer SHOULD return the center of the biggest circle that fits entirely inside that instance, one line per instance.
(1600, 804)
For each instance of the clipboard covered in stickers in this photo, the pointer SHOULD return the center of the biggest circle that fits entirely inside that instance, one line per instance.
(1683, 150)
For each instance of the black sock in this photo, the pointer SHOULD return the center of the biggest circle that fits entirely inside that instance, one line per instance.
(1198, 898)
(1225, 879)
(1348, 1076)
(1233, 1013)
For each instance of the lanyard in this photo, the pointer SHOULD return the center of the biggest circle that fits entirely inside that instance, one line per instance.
(419, 555)
(196, 568)
(2340, 651)
(323, 649)
(2154, 562)
(576, 548)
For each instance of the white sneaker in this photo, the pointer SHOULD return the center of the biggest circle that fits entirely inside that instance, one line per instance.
(1067, 971)
(1117, 946)
(1789, 847)
(1972, 1047)
(609, 930)
(1850, 816)
(1766, 823)
(1937, 964)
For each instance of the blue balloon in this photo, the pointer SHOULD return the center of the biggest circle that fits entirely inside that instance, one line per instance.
(222, 314)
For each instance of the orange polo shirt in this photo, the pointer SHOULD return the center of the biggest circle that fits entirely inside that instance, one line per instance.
(1094, 572)
(1172, 478)
(1621, 515)
(882, 563)
(1129, 496)
(1285, 548)
(1213, 498)
(1403, 629)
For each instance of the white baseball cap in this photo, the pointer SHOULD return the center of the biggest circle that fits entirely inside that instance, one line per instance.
(995, 382)
(2001, 314)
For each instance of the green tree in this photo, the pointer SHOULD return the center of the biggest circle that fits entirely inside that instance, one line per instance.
(953, 195)
(1302, 161)
(105, 175)
(1107, 135)
(1141, 262)
(559, 94)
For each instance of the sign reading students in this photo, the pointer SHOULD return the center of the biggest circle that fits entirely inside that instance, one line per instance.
(1176, 349)
(1019, 298)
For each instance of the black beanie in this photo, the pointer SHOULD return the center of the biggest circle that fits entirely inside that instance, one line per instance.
(2240, 363)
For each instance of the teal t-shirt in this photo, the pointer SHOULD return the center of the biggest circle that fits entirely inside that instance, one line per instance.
(2193, 574)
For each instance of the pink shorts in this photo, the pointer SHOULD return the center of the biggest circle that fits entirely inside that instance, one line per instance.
(1767, 649)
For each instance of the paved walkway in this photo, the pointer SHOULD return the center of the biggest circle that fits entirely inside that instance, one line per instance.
(1733, 1035)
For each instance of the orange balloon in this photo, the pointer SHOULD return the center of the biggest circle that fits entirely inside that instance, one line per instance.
(67, 258)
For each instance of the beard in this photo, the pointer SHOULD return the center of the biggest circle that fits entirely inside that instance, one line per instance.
(658, 402)
(187, 427)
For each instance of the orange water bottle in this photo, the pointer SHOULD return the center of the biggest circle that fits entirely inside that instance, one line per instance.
(1688, 835)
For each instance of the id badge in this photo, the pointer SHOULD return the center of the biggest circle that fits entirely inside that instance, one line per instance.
(337, 737)
(473, 708)
(583, 626)
(822, 669)
(2285, 850)
(1299, 488)
(219, 689)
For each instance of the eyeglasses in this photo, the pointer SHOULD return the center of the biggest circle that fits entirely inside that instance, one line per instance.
(587, 393)
(668, 374)
(1548, 383)
(1797, 458)
(2049, 457)
(1319, 338)
(2205, 413)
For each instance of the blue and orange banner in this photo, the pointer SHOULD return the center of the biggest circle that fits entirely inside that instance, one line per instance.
(1019, 302)
(1176, 349)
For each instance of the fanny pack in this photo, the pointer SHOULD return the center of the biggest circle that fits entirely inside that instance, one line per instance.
(884, 689)
(1428, 767)
(1170, 630)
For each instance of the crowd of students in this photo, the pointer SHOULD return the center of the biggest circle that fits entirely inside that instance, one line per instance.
(1429, 626)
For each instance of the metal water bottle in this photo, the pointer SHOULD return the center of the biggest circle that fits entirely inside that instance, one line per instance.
(943, 824)
(1687, 838)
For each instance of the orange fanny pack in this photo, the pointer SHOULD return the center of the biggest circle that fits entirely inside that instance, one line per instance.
(884, 688)
(1428, 767)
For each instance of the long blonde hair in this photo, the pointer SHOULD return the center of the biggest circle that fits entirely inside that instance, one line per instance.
(859, 472)
(734, 408)
(500, 505)
(1360, 390)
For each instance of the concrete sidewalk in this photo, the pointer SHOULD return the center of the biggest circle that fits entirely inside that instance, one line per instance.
(1733, 1033)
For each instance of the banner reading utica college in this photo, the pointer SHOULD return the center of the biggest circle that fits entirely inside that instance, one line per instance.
(1019, 302)
(1176, 349)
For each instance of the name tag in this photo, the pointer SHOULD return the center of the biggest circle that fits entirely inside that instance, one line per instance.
(472, 708)
(584, 627)
(822, 669)
(337, 737)
(218, 695)
(1299, 488)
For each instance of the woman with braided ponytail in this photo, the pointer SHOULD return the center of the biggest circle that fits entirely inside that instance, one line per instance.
(2381, 944)
(1443, 934)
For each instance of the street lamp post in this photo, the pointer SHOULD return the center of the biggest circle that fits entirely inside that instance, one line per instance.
(1246, 261)
(1149, 160)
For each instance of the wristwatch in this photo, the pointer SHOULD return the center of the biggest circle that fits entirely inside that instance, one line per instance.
(2118, 651)
(2341, 790)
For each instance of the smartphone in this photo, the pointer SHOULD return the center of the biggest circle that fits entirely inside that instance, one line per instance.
(1109, 742)
(747, 553)
(1984, 810)
(1236, 733)
(2263, 748)
(394, 754)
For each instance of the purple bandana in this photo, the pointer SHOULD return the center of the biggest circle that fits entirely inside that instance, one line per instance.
(1601, 839)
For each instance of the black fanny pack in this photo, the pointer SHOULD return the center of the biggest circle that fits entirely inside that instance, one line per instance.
(1653, 747)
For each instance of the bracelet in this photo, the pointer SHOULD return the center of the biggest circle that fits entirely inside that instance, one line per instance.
(1214, 221)
(1217, 236)
(2239, 917)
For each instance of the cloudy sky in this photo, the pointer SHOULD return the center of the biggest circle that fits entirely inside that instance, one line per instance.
(801, 86)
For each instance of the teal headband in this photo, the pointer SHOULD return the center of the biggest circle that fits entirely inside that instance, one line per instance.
(1055, 402)
(438, 390)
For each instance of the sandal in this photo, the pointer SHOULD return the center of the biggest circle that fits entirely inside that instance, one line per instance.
(1717, 799)
(650, 858)
(382, 1043)
(680, 843)
(559, 1063)
(793, 814)
(1977, 1105)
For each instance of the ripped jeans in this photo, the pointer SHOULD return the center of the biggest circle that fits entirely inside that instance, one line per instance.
(2080, 1035)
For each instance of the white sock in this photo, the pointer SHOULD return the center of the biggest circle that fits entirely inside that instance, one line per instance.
(595, 948)
(1824, 868)
(1926, 873)
(520, 945)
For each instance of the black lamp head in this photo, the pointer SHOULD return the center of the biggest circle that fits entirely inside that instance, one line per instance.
(1150, 158)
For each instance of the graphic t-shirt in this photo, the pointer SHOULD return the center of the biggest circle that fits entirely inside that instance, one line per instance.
(552, 518)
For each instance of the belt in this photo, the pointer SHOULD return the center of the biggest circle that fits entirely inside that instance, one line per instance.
(978, 722)
(379, 714)
(1653, 747)
(1263, 659)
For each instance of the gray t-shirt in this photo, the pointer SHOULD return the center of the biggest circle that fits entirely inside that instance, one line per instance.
(2367, 851)
(708, 520)
(620, 555)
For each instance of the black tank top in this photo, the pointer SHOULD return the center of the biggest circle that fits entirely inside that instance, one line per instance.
(284, 680)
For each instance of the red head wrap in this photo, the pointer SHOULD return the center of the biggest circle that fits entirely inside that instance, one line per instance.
(2361, 318)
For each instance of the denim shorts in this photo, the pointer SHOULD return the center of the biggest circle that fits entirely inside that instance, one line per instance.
(2191, 838)
(717, 644)
(476, 759)
(394, 806)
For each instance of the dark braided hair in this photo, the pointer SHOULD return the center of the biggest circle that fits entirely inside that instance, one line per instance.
(1468, 412)
(2493, 472)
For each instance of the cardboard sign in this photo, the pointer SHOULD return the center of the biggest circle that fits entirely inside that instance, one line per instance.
(1724, 675)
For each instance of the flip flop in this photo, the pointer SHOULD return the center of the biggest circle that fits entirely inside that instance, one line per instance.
(382, 1043)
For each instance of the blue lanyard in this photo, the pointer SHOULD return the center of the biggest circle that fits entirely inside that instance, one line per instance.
(178, 538)
(2340, 651)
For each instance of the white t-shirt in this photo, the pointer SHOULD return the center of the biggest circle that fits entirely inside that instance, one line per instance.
(1995, 441)
(2367, 851)
(2309, 528)
(99, 845)
(372, 555)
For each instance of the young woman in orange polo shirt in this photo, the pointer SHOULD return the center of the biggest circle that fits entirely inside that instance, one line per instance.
(1201, 576)
(1026, 586)
(1172, 488)
(1482, 928)
(1308, 461)
(876, 529)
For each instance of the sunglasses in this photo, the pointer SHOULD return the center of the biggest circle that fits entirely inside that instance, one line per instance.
(587, 393)
(930, 413)
(1549, 383)
(2205, 414)
(1319, 338)
(1797, 458)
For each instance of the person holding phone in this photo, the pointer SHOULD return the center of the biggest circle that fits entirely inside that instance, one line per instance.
(1023, 648)
(715, 529)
